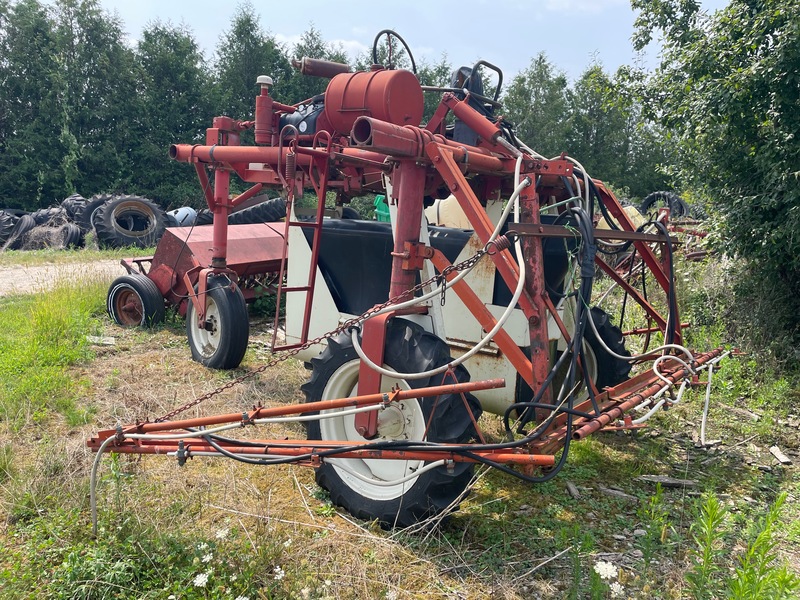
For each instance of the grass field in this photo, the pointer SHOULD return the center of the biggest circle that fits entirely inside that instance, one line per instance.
(217, 529)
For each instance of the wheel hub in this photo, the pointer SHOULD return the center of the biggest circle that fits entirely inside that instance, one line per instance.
(392, 422)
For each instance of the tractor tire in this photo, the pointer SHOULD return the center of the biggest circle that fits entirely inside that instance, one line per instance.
(73, 205)
(221, 344)
(45, 215)
(23, 225)
(204, 217)
(269, 211)
(610, 370)
(84, 218)
(7, 222)
(348, 212)
(671, 200)
(409, 348)
(72, 236)
(135, 301)
(129, 221)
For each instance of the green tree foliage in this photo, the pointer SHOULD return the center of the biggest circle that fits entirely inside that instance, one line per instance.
(33, 125)
(99, 85)
(302, 87)
(244, 52)
(599, 120)
(175, 109)
(434, 75)
(536, 102)
(729, 87)
(597, 129)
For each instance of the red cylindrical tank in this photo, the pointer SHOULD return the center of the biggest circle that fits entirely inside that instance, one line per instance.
(393, 96)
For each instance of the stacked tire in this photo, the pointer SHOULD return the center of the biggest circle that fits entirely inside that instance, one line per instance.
(117, 221)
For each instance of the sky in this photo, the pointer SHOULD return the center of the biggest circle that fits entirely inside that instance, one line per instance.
(506, 33)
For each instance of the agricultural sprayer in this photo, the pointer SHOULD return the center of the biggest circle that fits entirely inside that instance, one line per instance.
(411, 330)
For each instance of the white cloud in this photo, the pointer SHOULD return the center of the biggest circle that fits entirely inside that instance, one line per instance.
(290, 41)
(353, 48)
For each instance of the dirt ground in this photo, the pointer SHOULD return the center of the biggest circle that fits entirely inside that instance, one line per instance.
(27, 279)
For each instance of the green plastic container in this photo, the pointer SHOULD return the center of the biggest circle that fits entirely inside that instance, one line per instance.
(381, 209)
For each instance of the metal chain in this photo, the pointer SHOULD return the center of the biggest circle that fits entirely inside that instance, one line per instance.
(440, 279)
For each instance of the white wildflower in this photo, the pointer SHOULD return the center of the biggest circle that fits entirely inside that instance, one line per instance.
(391, 595)
(279, 573)
(605, 569)
(202, 546)
(201, 580)
(242, 598)
(223, 533)
(208, 558)
(617, 589)
(287, 543)
(327, 583)
(233, 577)
(305, 593)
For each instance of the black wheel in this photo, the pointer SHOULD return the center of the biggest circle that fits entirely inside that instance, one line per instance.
(72, 236)
(204, 217)
(73, 204)
(7, 222)
(129, 221)
(671, 200)
(335, 375)
(23, 225)
(222, 341)
(348, 212)
(135, 301)
(270, 211)
(45, 215)
(84, 217)
(610, 370)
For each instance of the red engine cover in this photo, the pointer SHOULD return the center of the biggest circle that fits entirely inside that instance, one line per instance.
(393, 96)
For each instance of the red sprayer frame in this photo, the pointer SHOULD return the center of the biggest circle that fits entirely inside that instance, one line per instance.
(368, 131)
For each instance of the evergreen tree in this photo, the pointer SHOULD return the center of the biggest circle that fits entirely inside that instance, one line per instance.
(175, 109)
(536, 102)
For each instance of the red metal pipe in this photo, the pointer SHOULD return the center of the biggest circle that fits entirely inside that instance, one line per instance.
(222, 207)
(295, 409)
(409, 141)
(232, 154)
(284, 448)
(639, 397)
(409, 178)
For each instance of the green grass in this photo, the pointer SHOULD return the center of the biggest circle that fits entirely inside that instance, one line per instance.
(41, 336)
(158, 524)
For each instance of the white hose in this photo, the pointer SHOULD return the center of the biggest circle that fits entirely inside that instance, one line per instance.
(93, 481)
(705, 407)
(500, 322)
(661, 403)
(709, 365)
(448, 284)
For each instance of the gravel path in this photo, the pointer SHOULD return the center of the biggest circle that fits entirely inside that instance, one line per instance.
(30, 279)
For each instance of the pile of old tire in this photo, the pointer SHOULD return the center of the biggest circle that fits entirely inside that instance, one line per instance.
(117, 221)
(123, 221)
(45, 228)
